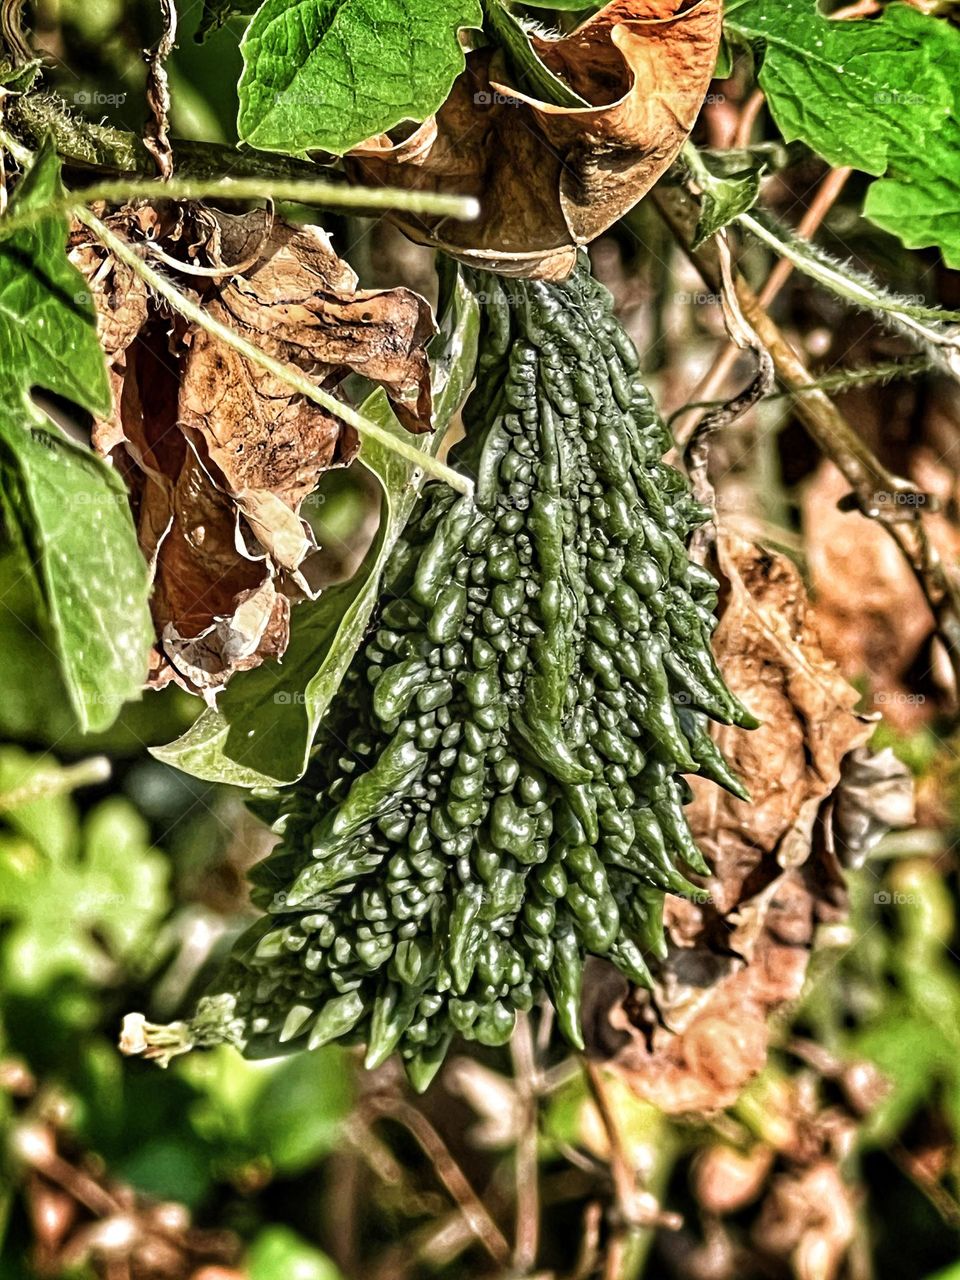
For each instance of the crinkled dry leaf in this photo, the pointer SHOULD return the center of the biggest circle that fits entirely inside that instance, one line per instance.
(874, 620)
(219, 454)
(872, 614)
(550, 178)
(742, 951)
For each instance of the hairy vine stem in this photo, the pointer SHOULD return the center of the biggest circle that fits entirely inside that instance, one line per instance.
(921, 325)
(841, 380)
(331, 194)
(128, 255)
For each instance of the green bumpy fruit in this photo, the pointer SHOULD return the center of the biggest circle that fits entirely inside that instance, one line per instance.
(495, 791)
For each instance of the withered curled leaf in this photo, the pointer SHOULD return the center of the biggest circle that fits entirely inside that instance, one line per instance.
(551, 178)
(219, 453)
(741, 952)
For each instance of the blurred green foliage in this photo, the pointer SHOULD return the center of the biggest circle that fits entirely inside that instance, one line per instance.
(88, 918)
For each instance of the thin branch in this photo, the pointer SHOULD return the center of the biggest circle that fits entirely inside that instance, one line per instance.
(624, 1184)
(527, 1169)
(157, 139)
(449, 1173)
(841, 380)
(826, 195)
(697, 453)
(128, 255)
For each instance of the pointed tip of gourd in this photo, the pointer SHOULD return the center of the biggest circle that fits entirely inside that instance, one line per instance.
(422, 1068)
(377, 1055)
(575, 1035)
(737, 788)
(743, 718)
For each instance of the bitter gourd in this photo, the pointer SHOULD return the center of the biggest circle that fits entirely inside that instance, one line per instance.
(496, 789)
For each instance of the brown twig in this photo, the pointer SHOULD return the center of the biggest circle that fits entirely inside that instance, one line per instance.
(697, 453)
(748, 118)
(624, 1184)
(527, 1170)
(636, 1211)
(448, 1172)
(824, 200)
(589, 1253)
(157, 136)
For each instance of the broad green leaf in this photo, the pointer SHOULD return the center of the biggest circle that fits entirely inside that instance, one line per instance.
(879, 95)
(263, 726)
(327, 74)
(71, 520)
(910, 1052)
(65, 510)
(48, 335)
(280, 1254)
(297, 1117)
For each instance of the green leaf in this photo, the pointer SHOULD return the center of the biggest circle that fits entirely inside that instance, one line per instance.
(298, 1114)
(49, 819)
(71, 520)
(724, 196)
(262, 729)
(951, 1273)
(48, 335)
(327, 74)
(565, 6)
(66, 512)
(879, 95)
(280, 1254)
(77, 907)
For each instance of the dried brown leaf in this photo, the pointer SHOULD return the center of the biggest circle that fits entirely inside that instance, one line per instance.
(551, 178)
(742, 952)
(219, 453)
(872, 615)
